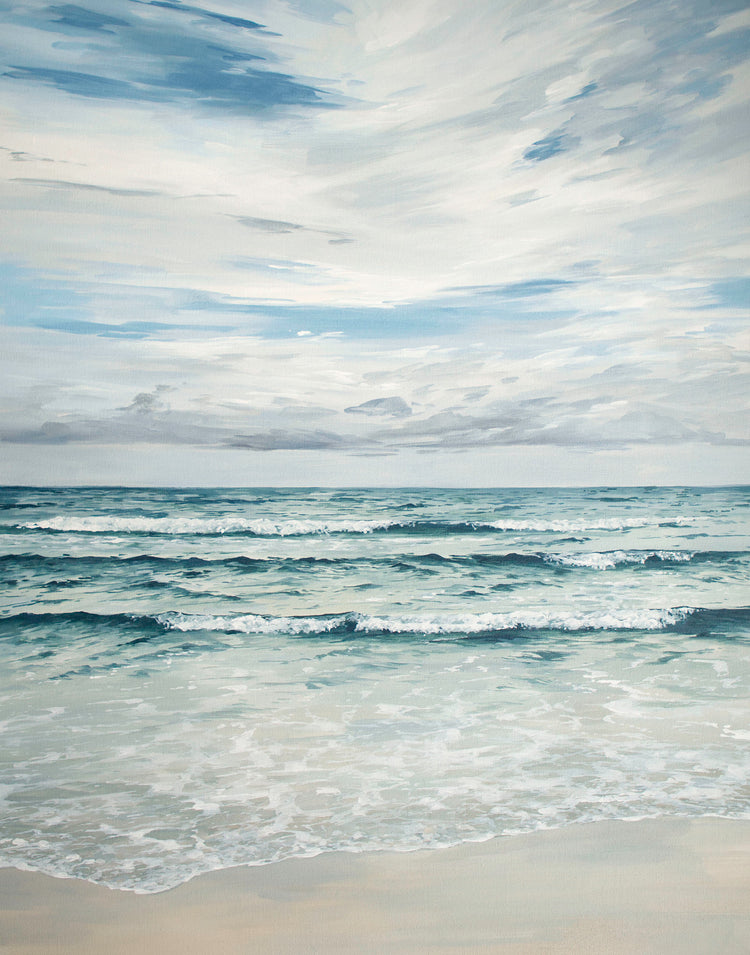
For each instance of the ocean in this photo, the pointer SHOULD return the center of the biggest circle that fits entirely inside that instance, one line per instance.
(192, 679)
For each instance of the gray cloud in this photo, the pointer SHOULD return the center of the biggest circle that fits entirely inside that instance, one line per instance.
(168, 429)
(87, 187)
(19, 155)
(148, 402)
(279, 227)
(268, 225)
(393, 407)
(585, 423)
(278, 439)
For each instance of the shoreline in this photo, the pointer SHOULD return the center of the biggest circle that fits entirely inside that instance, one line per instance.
(669, 885)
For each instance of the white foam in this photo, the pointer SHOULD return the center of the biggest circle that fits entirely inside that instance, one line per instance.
(609, 559)
(248, 623)
(527, 620)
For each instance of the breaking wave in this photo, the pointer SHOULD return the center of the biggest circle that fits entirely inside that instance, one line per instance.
(430, 625)
(265, 527)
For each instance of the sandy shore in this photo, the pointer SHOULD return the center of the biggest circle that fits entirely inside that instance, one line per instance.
(658, 886)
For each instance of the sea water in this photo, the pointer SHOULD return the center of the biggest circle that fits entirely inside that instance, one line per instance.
(193, 679)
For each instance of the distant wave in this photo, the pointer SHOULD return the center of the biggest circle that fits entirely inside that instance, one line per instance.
(596, 560)
(590, 560)
(595, 524)
(264, 527)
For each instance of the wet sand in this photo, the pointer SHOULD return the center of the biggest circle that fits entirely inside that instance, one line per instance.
(667, 887)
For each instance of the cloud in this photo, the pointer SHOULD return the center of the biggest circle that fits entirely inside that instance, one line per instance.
(148, 402)
(393, 407)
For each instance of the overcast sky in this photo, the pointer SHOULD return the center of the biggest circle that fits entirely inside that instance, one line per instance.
(375, 242)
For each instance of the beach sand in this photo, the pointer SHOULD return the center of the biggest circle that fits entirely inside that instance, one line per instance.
(612, 888)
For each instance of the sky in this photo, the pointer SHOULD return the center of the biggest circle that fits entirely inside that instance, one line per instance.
(425, 242)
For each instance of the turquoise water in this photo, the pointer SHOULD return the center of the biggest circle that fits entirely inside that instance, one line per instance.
(193, 679)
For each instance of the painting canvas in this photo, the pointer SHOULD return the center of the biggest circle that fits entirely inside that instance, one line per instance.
(374, 507)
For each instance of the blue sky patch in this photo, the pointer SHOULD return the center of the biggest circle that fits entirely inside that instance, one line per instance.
(79, 84)
(732, 293)
(31, 298)
(552, 145)
(79, 18)
(529, 289)
(207, 14)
